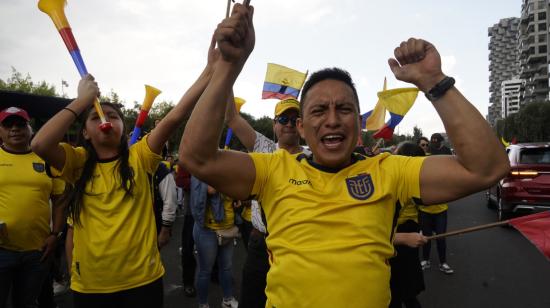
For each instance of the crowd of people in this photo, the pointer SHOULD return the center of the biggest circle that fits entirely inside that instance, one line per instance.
(324, 226)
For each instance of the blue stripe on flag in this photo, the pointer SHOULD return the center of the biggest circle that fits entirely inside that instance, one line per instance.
(277, 88)
(394, 120)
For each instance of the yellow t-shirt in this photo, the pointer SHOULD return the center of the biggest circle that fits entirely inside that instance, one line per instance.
(433, 209)
(247, 213)
(408, 212)
(25, 191)
(227, 222)
(330, 233)
(115, 247)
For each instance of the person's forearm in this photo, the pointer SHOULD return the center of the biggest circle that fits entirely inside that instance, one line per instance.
(180, 112)
(51, 133)
(475, 144)
(241, 128)
(200, 139)
(58, 216)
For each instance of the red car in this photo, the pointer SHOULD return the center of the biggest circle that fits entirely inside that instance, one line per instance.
(527, 187)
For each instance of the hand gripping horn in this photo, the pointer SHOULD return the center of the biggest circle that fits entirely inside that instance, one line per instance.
(55, 9)
(150, 94)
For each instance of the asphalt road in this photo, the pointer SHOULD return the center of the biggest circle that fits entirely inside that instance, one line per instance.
(497, 267)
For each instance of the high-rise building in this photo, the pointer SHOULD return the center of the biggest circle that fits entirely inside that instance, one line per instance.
(533, 50)
(503, 62)
(510, 101)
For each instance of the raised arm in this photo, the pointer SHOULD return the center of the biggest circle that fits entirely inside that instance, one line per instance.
(480, 159)
(230, 172)
(183, 109)
(46, 142)
(241, 128)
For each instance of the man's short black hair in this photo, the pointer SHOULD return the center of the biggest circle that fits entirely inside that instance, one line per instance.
(333, 73)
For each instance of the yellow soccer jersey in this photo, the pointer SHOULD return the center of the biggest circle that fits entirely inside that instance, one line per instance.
(115, 247)
(434, 209)
(229, 219)
(330, 232)
(25, 191)
(408, 212)
(247, 213)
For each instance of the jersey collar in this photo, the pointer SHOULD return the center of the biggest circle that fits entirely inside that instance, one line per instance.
(309, 158)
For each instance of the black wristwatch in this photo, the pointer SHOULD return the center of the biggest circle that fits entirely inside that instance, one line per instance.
(440, 88)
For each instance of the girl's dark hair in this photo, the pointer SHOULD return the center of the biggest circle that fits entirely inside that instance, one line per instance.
(408, 148)
(125, 171)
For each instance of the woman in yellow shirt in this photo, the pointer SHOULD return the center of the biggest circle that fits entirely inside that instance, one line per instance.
(115, 259)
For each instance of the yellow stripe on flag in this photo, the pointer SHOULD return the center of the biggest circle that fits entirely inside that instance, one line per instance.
(285, 76)
(398, 101)
(377, 118)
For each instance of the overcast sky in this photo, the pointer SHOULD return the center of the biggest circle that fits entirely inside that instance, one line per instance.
(129, 43)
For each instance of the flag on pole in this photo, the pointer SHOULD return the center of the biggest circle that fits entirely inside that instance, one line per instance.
(282, 82)
(536, 228)
(374, 119)
(397, 102)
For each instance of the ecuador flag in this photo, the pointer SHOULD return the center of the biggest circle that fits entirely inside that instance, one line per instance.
(282, 82)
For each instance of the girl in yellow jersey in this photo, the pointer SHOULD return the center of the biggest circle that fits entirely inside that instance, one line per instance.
(115, 259)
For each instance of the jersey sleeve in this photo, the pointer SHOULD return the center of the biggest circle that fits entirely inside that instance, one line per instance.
(148, 159)
(74, 163)
(262, 162)
(408, 180)
(58, 186)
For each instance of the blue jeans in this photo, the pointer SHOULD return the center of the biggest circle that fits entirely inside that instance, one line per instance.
(23, 272)
(208, 251)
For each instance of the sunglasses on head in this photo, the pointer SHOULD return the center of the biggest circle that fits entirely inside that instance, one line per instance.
(283, 120)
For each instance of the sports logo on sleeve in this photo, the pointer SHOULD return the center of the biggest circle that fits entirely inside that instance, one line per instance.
(38, 167)
(360, 187)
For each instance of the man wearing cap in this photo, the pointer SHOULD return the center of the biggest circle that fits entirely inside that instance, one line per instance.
(25, 192)
(284, 127)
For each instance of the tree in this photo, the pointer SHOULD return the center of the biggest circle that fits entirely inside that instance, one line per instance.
(417, 133)
(530, 124)
(16, 82)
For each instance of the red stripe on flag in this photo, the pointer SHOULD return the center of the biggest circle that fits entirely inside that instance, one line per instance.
(536, 228)
(281, 96)
(68, 38)
(385, 132)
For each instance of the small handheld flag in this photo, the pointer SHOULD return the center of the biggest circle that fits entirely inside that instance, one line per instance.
(282, 82)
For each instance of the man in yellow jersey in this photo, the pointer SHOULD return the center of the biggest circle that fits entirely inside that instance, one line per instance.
(331, 215)
(25, 192)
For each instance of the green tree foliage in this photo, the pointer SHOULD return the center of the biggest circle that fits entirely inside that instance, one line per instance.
(417, 133)
(20, 83)
(530, 124)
